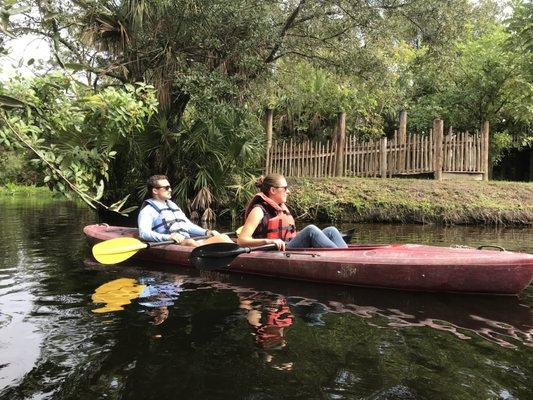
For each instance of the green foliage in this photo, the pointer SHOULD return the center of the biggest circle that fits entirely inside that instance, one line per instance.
(481, 78)
(216, 64)
(13, 189)
(521, 29)
(72, 130)
(217, 159)
(307, 99)
(15, 168)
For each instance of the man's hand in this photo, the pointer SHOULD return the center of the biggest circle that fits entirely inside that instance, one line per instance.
(211, 233)
(177, 237)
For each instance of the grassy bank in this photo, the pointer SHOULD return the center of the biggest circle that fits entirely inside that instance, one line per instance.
(412, 201)
(391, 200)
(12, 189)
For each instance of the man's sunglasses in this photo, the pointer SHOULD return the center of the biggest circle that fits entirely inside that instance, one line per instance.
(167, 188)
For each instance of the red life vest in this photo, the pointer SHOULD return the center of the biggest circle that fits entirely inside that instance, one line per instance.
(277, 222)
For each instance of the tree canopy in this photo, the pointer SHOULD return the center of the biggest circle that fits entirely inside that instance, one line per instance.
(214, 65)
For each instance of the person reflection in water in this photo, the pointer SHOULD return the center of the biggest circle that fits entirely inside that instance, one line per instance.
(269, 320)
(159, 296)
(156, 296)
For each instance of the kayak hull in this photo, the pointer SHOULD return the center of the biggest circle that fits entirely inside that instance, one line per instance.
(395, 266)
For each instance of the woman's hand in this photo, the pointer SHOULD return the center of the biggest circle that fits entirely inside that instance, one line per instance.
(278, 242)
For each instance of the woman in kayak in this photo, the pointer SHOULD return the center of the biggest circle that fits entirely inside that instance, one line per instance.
(268, 221)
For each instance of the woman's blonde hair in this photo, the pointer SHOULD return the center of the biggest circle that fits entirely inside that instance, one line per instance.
(264, 183)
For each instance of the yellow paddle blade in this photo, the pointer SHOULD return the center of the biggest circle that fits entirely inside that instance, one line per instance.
(116, 250)
(116, 294)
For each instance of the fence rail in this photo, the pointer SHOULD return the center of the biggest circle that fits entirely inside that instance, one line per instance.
(416, 154)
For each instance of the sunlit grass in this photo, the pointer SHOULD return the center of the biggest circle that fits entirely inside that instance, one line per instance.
(413, 201)
(12, 189)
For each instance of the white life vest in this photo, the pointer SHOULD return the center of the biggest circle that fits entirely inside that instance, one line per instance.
(170, 218)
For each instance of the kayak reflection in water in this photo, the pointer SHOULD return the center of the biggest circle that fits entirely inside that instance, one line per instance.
(156, 296)
(268, 221)
(160, 219)
(269, 318)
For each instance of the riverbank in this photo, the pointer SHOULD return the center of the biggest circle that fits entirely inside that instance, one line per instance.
(412, 201)
(392, 201)
(12, 189)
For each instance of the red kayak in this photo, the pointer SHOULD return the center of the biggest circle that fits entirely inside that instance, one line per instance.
(394, 266)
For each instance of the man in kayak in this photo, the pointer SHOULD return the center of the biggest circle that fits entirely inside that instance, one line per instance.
(268, 221)
(160, 219)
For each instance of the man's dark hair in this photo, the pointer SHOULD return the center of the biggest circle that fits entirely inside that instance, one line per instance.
(152, 182)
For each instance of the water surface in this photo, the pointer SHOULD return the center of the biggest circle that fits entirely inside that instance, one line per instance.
(70, 328)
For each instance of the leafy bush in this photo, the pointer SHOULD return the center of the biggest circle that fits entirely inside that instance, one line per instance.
(15, 168)
(307, 99)
(72, 130)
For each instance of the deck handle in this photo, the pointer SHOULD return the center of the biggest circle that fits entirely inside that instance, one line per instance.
(490, 246)
(288, 255)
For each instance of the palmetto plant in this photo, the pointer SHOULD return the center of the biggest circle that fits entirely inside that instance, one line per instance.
(216, 161)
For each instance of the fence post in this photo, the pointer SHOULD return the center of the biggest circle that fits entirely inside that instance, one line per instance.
(402, 141)
(383, 157)
(438, 136)
(268, 131)
(485, 156)
(339, 154)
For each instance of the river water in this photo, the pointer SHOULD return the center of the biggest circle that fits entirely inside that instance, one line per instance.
(73, 329)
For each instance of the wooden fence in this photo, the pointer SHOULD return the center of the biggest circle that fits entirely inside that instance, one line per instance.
(404, 154)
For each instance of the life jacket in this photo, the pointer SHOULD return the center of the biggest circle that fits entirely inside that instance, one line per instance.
(277, 222)
(170, 219)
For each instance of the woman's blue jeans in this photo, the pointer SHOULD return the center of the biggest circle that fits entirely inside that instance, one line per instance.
(311, 236)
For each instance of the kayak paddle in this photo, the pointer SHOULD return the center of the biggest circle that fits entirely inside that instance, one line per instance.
(116, 250)
(347, 237)
(220, 255)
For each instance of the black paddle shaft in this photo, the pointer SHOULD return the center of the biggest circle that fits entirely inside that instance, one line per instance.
(220, 255)
(347, 237)
(155, 244)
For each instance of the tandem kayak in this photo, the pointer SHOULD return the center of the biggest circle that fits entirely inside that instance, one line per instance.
(393, 266)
